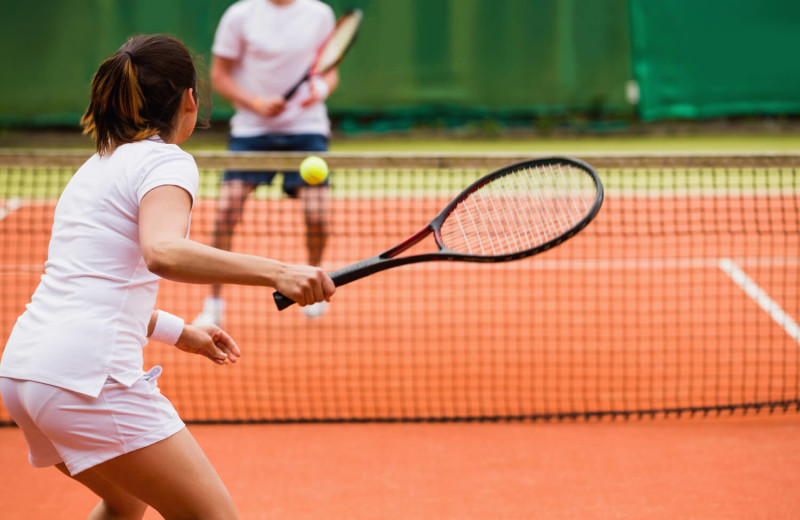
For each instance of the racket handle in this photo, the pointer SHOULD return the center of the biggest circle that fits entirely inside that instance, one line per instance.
(340, 277)
(353, 272)
(292, 91)
(282, 301)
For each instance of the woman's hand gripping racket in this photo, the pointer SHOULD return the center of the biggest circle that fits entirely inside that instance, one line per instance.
(518, 211)
(334, 48)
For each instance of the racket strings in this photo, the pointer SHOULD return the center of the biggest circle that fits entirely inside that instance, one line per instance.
(339, 41)
(520, 210)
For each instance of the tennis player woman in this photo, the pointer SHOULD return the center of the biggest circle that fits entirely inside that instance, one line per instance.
(71, 375)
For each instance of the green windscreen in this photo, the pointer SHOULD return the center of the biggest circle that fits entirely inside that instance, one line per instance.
(708, 59)
(415, 58)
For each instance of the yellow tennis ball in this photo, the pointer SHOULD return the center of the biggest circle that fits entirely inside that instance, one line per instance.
(314, 170)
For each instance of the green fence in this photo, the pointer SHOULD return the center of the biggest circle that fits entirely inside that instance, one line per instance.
(700, 59)
(413, 58)
(451, 60)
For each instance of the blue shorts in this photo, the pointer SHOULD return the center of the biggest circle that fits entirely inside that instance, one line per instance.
(276, 143)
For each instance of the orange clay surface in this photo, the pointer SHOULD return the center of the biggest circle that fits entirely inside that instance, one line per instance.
(629, 315)
(740, 467)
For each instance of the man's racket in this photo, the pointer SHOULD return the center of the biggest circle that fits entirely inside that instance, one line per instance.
(333, 49)
(512, 213)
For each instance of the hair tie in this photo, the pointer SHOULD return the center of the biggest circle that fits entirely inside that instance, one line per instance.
(129, 54)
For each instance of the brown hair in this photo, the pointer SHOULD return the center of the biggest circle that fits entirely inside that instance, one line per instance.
(137, 92)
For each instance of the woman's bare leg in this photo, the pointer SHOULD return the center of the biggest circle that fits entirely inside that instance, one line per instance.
(173, 476)
(115, 502)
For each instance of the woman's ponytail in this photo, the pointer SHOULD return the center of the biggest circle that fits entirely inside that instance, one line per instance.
(114, 114)
(136, 93)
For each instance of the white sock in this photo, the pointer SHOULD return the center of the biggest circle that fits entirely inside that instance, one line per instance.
(214, 304)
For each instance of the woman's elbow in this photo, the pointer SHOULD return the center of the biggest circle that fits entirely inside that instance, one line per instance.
(161, 259)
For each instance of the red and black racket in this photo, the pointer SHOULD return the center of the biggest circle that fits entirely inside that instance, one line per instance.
(333, 50)
(515, 212)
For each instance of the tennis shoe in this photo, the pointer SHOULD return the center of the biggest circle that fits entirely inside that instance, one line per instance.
(315, 310)
(212, 313)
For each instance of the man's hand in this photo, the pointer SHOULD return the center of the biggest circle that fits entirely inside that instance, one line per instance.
(268, 106)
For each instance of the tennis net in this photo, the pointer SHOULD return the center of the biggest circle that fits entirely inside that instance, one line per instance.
(680, 298)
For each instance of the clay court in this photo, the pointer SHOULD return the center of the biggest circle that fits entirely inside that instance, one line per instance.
(647, 368)
(701, 468)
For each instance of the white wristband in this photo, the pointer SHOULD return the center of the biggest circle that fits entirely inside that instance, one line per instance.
(322, 87)
(168, 328)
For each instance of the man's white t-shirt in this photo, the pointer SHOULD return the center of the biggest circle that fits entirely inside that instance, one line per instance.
(88, 318)
(273, 47)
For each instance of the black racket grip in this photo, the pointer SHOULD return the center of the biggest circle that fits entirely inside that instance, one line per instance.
(292, 91)
(341, 277)
(282, 301)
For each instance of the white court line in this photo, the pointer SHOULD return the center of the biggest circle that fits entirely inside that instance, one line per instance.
(546, 264)
(752, 289)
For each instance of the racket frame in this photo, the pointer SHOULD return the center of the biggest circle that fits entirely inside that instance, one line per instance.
(389, 258)
(313, 70)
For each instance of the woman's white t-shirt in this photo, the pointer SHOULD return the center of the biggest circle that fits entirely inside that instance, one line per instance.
(88, 318)
(273, 47)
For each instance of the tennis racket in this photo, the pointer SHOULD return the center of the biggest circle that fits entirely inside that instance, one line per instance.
(515, 212)
(334, 48)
